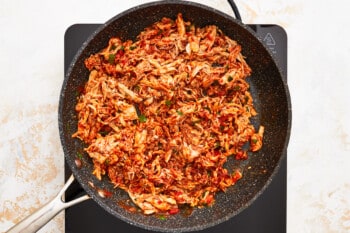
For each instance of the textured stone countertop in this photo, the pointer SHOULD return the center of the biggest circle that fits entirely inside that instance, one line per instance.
(31, 75)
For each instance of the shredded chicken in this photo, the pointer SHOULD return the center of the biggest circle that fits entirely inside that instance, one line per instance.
(161, 115)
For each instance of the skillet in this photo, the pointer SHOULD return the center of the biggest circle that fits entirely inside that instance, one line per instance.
(271, 100)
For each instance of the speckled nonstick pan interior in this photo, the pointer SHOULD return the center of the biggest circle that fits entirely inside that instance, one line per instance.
(272, 101)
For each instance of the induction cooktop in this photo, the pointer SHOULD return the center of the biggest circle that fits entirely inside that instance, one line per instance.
(266, 214)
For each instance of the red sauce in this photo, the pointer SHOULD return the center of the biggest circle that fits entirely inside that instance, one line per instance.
(125, 204)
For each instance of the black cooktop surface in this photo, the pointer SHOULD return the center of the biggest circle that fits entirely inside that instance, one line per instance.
(266, 214)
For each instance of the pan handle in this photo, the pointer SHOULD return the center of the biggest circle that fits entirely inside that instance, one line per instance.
(38, 219)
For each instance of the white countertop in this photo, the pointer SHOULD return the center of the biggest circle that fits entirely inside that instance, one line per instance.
(31, 75)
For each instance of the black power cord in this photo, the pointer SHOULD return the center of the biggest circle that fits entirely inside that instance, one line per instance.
(235, 9)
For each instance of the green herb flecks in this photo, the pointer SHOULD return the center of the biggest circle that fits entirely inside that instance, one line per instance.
(168, 103)
(79, 155)
(179, 113)
(236, 88)
(111, 58)
(107, 162)
(142, 118)
(113, 47)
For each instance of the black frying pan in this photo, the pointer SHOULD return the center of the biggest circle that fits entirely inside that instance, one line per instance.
(272, 102)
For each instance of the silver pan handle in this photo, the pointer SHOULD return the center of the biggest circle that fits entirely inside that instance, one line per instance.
(39, 218)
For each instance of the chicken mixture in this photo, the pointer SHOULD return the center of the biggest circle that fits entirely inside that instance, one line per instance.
(161, 115)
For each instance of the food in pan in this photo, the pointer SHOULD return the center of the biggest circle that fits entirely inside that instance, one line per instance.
(161, 115)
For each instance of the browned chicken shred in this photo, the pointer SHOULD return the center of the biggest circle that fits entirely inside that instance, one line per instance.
(161, 115)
